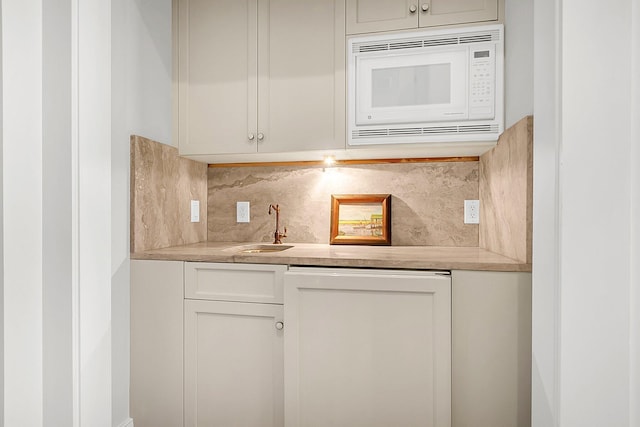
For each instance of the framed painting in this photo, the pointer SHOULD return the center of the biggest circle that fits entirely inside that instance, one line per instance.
(360, 219)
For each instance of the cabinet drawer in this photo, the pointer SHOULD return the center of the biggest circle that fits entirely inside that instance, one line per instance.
(234, 282)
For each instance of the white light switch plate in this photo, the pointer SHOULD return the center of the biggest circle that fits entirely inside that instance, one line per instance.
(472, 211)
(195, 211)
(242, 212)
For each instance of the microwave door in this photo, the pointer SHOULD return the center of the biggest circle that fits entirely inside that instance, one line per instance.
(412, 88)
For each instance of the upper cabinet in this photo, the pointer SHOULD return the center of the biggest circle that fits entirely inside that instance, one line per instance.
(367, 16)
(259, 76)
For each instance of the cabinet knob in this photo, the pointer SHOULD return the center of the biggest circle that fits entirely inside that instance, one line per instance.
(251, 137)
(413, 8)
(260, 136)
(279, 325)
(425, 7)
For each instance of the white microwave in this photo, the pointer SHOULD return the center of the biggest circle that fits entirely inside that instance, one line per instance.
(442, 85)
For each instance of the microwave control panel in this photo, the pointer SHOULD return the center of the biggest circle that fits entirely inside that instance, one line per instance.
(482, 80)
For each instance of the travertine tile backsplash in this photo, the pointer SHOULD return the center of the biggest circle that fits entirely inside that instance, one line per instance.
(162, 187)
(426, 206)
(506, 193)
(427, 200)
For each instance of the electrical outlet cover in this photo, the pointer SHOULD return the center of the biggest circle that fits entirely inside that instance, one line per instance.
(242, 212)
(472, 211)
(195, 211)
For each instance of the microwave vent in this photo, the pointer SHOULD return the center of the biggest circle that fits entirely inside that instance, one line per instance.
(435, 41)
(370, 133)
(480, 37)
(427, 130)
(440, 130)
(426, 41)
(405, 44)
(477, 128)
(371, 47)
(404, 131)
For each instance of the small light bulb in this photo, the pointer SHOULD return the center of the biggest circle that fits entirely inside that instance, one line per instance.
(329, 161)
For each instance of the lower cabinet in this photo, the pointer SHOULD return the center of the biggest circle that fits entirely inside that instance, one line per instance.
(367, 348)
(206, 337)
(233, 370)
(213, 345)
(233, 344)
(491, 349)
(155, 389)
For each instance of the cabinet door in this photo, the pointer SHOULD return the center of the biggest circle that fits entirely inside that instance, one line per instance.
(368, 16)
(217, 81)
(491, 349)
(156, 343)
(445, 12)
(301, 70)
(233, 374)
(367, 349)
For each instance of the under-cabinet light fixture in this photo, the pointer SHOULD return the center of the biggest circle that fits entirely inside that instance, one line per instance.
(329, 161)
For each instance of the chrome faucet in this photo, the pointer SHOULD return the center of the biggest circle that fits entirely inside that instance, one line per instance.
(277, 235)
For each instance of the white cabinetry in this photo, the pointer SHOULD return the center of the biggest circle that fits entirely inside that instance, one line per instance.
(265, 76)
(491, 330)
(156, 343)
(366, 16)
(367, 348)
(233, 364)
(233, 361)
(362, 347)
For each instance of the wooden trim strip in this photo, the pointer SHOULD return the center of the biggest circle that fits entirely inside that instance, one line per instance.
(348, 162)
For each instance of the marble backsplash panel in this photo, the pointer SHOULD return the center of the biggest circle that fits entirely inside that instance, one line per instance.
(427, 200)
(506, 193)
(162, 186)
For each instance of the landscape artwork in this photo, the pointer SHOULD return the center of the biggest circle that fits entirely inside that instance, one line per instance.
(361, 219)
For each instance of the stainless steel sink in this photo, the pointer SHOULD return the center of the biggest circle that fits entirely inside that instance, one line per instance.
(260, 249)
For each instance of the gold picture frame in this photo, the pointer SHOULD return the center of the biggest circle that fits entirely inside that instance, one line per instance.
(360, 219)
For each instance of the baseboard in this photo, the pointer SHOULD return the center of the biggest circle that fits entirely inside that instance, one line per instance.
(127, 423)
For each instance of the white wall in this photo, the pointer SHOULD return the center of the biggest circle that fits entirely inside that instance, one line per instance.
(546, 283)
(94, 210)
(585, 187)
(634, 159)
(119, 218)
(66, 224)
(141, 105)
(518, 60)
(22, 211)
(142, 69)
(1, 239)
(56, 212)
(595, 213)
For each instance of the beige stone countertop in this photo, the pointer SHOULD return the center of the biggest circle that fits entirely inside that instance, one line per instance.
(310, 254)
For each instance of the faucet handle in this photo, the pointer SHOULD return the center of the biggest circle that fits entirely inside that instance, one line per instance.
(281, 235)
